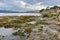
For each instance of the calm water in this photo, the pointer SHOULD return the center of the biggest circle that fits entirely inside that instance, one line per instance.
(20, 14)
(7, 34)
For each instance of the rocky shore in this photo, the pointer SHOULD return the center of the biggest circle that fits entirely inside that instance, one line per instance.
(44, 27)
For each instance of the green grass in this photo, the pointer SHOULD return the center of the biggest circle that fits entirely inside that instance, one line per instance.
(40, 29)
(42, 22)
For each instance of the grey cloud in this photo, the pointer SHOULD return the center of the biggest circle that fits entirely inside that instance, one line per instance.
(16, 4)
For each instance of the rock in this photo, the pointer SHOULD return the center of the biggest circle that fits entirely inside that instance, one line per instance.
(58, 36)
(58, 23)
(59, 17)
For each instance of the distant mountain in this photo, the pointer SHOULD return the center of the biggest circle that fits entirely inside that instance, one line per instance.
(9, 11)
(35, 11)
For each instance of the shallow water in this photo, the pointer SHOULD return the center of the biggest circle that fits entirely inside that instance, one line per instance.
(20, 14)
(6, 34)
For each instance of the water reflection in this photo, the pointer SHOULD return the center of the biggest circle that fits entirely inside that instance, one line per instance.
(6, 34)
(12, 37)
(7, 31)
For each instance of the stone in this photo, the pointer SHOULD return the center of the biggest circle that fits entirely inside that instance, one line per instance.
(58, 36)
(58, 23)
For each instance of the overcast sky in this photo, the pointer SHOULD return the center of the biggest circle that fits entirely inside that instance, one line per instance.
(27, 4)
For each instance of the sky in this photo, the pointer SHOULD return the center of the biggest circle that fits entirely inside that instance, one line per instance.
(19, 5)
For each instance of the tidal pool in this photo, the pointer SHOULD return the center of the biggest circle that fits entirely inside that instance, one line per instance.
(7, 34)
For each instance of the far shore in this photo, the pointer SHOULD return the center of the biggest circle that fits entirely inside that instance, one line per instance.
(20, 14)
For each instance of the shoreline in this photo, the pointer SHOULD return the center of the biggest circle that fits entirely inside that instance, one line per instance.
(20, 14)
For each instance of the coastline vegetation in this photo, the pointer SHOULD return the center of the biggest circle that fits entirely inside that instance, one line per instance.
(50, 17)
(21, 22)
(11, 21)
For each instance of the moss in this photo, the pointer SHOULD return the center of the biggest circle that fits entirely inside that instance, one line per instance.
(8, 26)
(19, 33)
(42, 22)
(27, 25)
(28, 30)
(16, 21)
(54, 17)
(2, 24)
(40, 29)
(15, 25)
(59, 30)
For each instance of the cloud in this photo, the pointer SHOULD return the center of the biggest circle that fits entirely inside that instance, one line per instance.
(36, 6)
(50, 2)
(27, 4)
(19, 4)
(40, 4)
(1, 4)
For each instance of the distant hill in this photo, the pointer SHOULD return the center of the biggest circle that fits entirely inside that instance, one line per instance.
(9, 11)
(35, 11)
